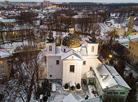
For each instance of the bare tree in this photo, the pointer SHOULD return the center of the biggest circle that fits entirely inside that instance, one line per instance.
(25, 79)
(28, 18)
(113, 34)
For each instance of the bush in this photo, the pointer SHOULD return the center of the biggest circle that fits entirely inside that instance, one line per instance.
(78, 86)
(66, 86)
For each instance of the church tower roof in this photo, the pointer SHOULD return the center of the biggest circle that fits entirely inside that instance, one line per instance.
(93, 39)
(50, 37)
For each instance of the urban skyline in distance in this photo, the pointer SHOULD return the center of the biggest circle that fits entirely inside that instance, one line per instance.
(98, 1)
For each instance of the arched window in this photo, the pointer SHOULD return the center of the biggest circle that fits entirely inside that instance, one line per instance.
(50, 48)
(92, 49)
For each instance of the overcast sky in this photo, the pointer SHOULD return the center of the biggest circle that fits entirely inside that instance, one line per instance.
(107, 1)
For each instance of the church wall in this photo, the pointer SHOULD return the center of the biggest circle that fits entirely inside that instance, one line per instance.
(54, 70)
(72, 76)
(91, 62)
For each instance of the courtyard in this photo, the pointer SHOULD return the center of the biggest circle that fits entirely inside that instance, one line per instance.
(61, 93)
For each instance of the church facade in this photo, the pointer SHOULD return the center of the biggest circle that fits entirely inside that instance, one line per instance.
(74, 61)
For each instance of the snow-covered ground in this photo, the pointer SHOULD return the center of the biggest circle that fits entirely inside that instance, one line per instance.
(92, 88)
(129, 70)
(2, 87)
(60, 94)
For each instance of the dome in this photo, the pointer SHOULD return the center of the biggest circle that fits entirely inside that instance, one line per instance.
(71, 41)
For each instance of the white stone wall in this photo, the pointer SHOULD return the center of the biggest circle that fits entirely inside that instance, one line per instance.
(91, 61)
(70, 76)
(56, 70)
(89, 48)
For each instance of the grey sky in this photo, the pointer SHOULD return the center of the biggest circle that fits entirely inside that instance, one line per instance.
(107, 1)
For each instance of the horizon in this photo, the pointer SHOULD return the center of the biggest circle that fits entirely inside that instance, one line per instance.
(67, 1)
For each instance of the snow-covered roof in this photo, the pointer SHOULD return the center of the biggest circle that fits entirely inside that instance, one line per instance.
(120, 81)
(80, 16)
(89, 74)
(4, 53)
(58, 50)
(117, 25)
(83, 51)
(103, 27)
(72, 97)
(7, 20)
(104, 37)
(109, 77)
(112, 14)
(135, 27)
(18, 27)
(70, 53)
(123, 40)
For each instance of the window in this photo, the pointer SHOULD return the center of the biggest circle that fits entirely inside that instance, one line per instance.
(84, 62)
(57, 61)
(2, 72)
(50, 75)
(92, 49)
(2, 67)
(1, 62)
(109, 92)
(72, 67)
(129, 47)
(116, 93)
(50, 48)
(122, 93)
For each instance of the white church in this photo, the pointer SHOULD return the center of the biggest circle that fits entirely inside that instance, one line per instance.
(74, 62)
